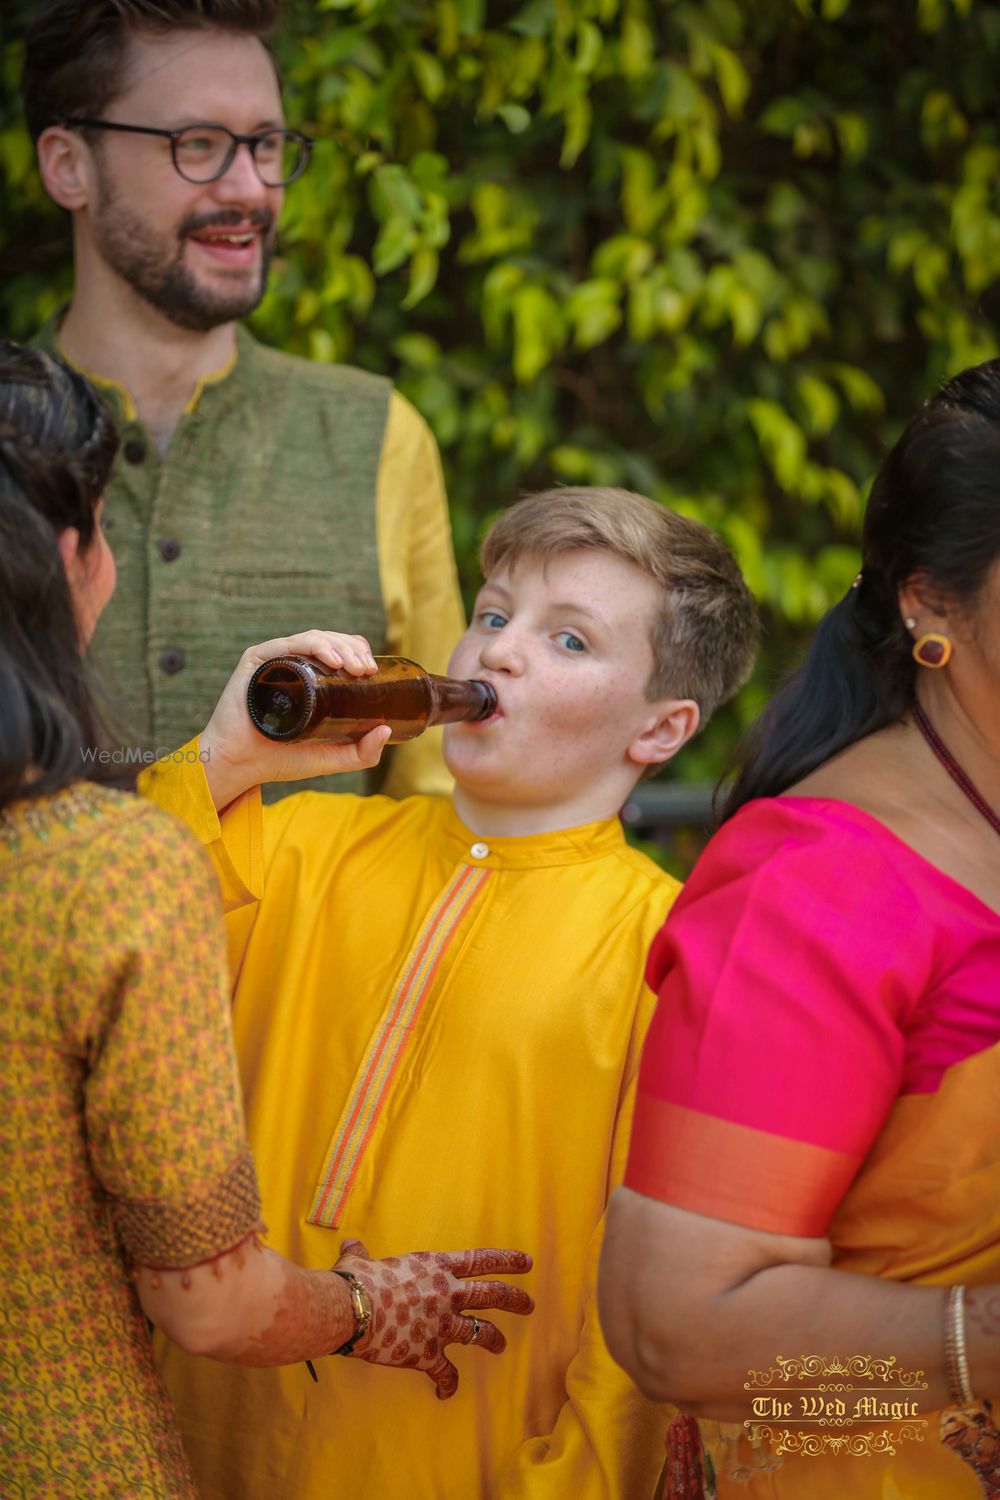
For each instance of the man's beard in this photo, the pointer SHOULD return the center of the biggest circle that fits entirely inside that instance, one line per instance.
(155, 268)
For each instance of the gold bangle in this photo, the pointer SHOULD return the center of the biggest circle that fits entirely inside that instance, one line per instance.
(956, 1354)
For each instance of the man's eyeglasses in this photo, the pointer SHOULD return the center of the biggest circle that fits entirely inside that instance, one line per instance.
(203, 153)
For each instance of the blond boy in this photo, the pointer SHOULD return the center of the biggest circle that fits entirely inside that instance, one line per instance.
(439, 1008)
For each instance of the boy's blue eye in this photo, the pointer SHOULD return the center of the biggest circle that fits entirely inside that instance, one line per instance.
(570, 641)
(492, 619)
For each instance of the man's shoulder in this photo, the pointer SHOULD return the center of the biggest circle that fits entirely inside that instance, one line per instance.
(308, 375)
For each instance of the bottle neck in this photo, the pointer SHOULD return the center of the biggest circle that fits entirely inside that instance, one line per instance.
(454, 701)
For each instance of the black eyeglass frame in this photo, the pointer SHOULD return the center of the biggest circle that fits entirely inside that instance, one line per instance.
(236, 141)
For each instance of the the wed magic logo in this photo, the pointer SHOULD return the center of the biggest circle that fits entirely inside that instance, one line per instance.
(813, 1405)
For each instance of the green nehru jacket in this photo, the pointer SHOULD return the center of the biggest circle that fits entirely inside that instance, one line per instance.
(292, 496)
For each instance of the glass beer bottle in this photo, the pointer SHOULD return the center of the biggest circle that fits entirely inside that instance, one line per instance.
(300, 698)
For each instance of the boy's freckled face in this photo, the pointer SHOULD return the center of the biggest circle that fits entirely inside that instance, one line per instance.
(567, 647)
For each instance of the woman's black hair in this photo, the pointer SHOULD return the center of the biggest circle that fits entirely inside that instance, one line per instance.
(933, 515)
(57, 445)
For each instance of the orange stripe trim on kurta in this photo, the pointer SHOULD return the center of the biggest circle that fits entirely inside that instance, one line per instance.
(374, 1078)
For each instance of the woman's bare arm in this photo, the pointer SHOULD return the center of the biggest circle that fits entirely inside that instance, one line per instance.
(689, 1305)
(251, 1306)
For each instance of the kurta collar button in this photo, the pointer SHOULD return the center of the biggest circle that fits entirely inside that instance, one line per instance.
(479, 851)
(134, 451)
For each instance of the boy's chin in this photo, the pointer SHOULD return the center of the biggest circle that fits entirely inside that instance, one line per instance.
(466, 762)
(476, 781)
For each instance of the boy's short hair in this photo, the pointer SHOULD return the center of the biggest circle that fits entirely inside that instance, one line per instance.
(705, 635)
(75, 49)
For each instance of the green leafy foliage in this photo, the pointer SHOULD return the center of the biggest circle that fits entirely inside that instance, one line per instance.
(714, 252)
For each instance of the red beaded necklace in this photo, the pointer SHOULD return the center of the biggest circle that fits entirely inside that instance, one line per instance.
(953, 768)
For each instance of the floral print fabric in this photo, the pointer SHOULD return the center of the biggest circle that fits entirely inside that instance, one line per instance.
(121, 1132)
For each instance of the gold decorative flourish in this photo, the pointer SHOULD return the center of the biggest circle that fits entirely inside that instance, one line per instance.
(858, 1444)
(855, 1367)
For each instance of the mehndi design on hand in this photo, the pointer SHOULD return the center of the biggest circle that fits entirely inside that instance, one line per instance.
(419, 1302)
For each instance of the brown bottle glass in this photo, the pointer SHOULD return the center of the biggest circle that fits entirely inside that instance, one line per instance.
(299, 698)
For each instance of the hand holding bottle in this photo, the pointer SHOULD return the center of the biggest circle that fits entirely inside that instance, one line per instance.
(239, 758)
(422, 1302)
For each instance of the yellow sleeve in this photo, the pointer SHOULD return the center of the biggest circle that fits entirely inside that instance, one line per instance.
(233, 839)
(608, 1440)
(164, 1115)
(424, 613)
(243, 840)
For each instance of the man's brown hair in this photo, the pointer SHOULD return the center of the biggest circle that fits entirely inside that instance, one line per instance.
(705, 633)
(75, 49)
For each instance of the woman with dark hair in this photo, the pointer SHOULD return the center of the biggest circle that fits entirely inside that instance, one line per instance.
(815, 1160)
(126, 1183)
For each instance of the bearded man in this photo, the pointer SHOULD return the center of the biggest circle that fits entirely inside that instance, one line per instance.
(255, 493)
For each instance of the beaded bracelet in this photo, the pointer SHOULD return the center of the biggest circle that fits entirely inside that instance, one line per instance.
(956, 1356)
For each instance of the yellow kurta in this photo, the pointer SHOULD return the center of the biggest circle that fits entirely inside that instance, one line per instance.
(438, 1039)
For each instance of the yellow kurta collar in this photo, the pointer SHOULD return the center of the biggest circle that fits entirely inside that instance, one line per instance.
(565, 846)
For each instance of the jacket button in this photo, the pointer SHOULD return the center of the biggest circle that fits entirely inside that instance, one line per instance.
(169, 548)
(171, 662)
(134, 451)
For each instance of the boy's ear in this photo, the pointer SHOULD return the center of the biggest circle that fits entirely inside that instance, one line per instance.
(676, 722)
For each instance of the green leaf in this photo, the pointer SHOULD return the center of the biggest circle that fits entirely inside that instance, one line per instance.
(635, 48)
(417, 350)
(784, 116)
(515, 117)
(820, 403)
(572, 463)
(471, 14)
(429, 73)
(859, 388)
(392, 194)
(539, 331)
(423, 274)
(731, 76)
(782, 440)
(593, 309)
(578, 118)
(535, 19)
(589, 46)
(853, 134)
(394, 243)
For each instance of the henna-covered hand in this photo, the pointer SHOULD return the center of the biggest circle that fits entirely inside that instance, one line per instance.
(418, 1302)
